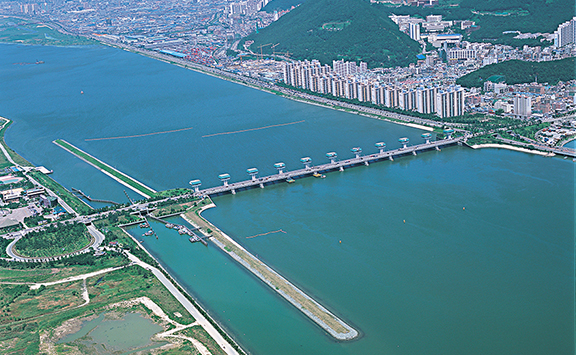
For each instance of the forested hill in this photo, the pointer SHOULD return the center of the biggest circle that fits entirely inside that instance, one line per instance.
(338, 29)
(517, 72)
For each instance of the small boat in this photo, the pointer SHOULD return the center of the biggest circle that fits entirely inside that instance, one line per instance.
(149, 233)
(169, 225)
(181, 231)
(144, 225)
(318, 175)
(290, 180)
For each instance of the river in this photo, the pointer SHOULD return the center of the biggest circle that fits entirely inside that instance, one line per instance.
(451, 252)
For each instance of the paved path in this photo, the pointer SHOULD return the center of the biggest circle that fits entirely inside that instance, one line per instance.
(76, 278)
(188, 305)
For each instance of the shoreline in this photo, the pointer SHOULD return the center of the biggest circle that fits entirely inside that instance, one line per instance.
(511, 147)
(198, 316)
(199, 68)
(299, 299)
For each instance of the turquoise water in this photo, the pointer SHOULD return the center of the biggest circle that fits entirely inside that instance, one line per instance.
(484, 263)
(127, 94)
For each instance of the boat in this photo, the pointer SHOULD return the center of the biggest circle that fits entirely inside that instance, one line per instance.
(149, 233)
(169, 225)
(290, 180)
(181, 231)
(318, 175)
(144, 225)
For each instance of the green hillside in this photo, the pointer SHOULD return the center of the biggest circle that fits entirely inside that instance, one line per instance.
(493, 17)
(338, 29)
(517, 72)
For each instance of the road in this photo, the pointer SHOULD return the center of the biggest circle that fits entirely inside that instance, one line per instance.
(188, 305)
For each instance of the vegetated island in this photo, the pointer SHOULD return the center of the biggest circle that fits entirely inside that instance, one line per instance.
(518, 72)
(329, 30)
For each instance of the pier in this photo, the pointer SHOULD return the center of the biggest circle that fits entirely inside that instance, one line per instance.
(79, 193)
(333, 165)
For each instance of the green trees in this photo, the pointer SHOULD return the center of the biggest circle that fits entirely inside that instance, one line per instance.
(369, 35)
(517, 72)
(493, 17)
(54, 240)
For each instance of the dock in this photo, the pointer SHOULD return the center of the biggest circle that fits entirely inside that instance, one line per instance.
(309, 170)
(185, 230)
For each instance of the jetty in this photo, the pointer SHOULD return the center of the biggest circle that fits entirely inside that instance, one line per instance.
(79, 193)
(334, 164)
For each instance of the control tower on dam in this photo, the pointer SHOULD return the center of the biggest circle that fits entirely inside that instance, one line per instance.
(333, 165)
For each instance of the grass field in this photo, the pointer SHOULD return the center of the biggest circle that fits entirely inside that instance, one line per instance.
(27, 314)
(48, 274)
(17, 158)
(198, 333)
(147, 192)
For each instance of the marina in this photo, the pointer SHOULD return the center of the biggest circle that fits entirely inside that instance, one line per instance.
(194, 233)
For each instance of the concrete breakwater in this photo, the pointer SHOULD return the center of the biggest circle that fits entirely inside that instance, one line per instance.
(312, 309)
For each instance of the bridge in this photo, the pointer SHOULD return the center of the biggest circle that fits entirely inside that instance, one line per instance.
(318, 169)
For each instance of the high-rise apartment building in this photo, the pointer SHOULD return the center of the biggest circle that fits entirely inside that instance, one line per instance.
(566, 33)
(522, 106)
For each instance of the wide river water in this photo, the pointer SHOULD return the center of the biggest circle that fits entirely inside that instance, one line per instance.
(454, 252)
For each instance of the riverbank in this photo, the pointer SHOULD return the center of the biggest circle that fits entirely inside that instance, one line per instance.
(312, 309)
(115, 174)
(284, 92)
(511, 147)
(200, 315)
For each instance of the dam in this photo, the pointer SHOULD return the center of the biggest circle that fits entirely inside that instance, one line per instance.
(333, 165)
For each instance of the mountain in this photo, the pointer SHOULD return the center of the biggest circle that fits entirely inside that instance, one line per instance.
(517, 72)
(338, 29)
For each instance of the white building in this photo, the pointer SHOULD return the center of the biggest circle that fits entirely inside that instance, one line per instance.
(566, 33)
(414, 29)
(522, 106)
